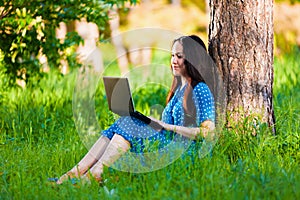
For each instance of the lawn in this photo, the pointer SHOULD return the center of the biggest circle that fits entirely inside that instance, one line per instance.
(39, 139)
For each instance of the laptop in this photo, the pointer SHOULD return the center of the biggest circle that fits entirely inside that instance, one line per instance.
(120, 101)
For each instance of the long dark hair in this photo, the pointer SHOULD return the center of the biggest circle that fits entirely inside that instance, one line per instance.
(193, 48)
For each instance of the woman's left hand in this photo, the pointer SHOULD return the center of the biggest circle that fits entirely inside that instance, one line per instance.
(161, 123)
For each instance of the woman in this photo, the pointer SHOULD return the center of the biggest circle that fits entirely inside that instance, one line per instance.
(189, 112)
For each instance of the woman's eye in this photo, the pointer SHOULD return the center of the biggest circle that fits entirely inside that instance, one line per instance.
(177, 55)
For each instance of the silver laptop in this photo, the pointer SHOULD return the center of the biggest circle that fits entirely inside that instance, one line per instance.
(120, 101)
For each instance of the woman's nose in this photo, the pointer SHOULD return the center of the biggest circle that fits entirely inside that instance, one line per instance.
(174, 60)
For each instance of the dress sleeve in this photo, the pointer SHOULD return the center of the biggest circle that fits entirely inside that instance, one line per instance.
(204, 103)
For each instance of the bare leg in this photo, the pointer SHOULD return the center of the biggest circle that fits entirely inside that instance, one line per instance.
(116, 148)
(88, 160)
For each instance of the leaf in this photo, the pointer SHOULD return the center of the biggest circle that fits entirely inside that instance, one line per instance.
(13, 46)
(39, 19)
(24, 12)
(23, 45)
(13, 57)
(18, 12)
(24, 32)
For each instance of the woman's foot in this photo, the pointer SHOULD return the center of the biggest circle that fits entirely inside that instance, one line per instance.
(95, 173)
(63, 178)
(67, 176)
(88, 179)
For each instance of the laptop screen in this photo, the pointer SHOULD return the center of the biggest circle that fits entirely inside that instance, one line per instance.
(118, 95)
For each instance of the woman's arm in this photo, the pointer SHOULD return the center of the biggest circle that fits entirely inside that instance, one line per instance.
(206, 129)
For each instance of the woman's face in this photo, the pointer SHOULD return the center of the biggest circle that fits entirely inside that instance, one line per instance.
(177, 60)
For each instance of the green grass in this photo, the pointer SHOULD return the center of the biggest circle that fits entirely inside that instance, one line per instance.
(38, 139)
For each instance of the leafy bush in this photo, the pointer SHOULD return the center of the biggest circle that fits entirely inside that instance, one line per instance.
(27, 29)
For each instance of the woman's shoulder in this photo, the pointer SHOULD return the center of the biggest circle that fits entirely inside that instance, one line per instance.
(202, 89)
(201, 86)
(202, 95)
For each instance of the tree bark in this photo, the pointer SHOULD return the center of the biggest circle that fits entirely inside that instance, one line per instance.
(116, 39)
(241, 44)
(176, 2)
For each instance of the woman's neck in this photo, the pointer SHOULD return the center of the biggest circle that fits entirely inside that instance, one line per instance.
(183, 81)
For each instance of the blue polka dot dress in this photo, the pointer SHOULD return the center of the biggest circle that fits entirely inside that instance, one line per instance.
(142, 137)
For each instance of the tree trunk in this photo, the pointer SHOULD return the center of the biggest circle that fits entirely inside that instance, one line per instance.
(207, 12)
(176, 2)
(241, 44)
(116, 39)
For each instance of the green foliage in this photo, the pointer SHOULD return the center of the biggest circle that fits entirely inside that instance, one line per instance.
(289, 1)
(287, 72)
(38, 140)
(27, 29)
(199, 4)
